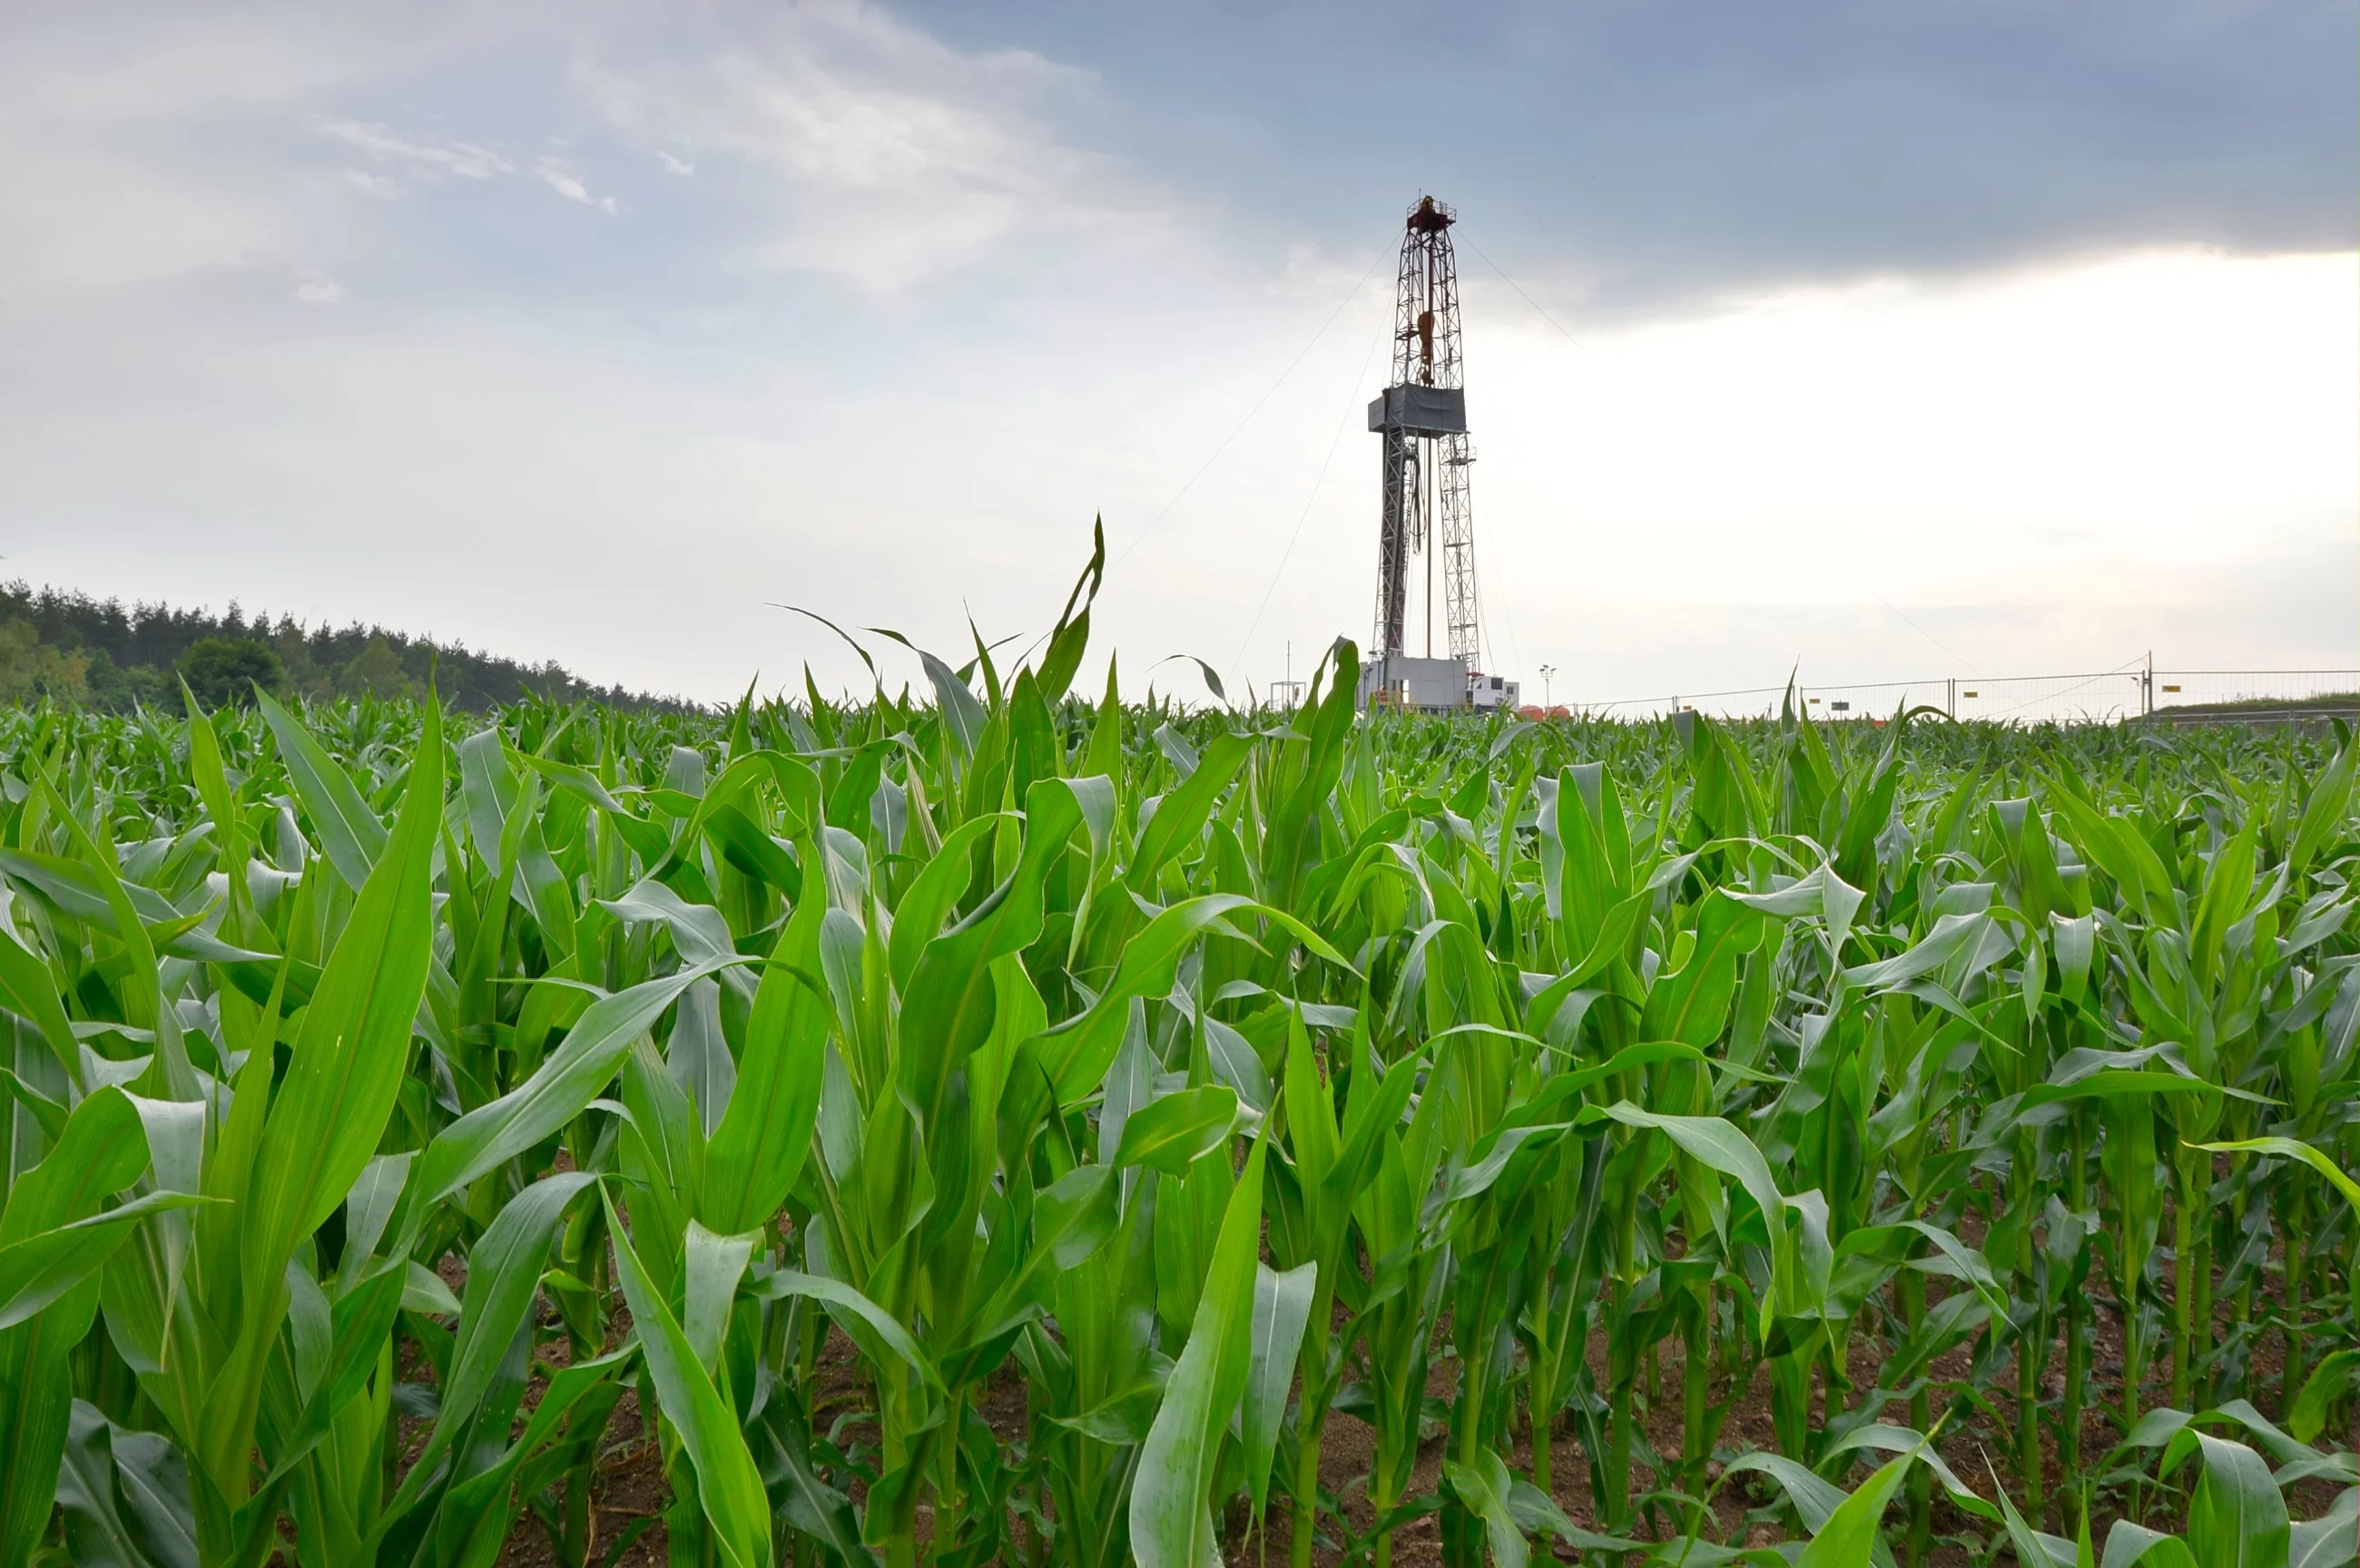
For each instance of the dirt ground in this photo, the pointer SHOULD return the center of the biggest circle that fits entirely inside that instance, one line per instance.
(631, 1486)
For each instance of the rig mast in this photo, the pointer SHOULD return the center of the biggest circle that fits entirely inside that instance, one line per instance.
(1422, 416)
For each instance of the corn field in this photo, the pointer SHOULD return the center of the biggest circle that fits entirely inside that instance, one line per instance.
(997, 1127)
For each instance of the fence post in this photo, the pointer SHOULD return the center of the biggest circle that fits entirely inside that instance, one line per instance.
(1950, 700)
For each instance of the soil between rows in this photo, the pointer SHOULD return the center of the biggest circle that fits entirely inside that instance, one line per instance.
(631, 1488)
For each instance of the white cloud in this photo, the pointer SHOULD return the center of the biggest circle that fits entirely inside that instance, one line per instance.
(383, 187)
(430, 159)
(560, 178)
(676, 164)
(894, 157)
(319, 289)
(421, 158)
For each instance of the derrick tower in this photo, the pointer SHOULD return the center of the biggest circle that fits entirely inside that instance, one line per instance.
(1422, 416)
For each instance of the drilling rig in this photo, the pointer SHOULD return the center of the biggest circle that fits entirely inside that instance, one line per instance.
(1421, 416)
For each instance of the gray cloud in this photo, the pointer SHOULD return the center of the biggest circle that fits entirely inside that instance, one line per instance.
(1621, 154)
(1637, 150)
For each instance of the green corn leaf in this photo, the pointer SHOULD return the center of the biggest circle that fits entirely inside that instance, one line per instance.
(1072, 633)
(646, 839)
(1175, 1132)
(1492, 1157)
(360, 1327)
(71, 885)
(574, 1075)
(1851, 1536)
(101, 1151)
(951, 998)
(1537, 1513)
(758, 1152)
(711, 1267)
(939, 886)
(96, 1532)
(1171, 1498)
(1823, 893)
(1903, 1440)
(2328, 1382)
(2293, 1150)
(212, 779)
(962, 715)
(1181, 816)
(1072, 1218)
(27, 989)
(2115, 846)
(1077, 1052)
(1484, 1486)
(1691, 1004)
(504, 1270)
(349, 832)
(1716, 1143)
(862, 1318)
(151, 1483)
(1815, 1498)
(1282, 1307)
(2031, 1551)
(36, 1270)
(2236, 1518)
(729, 1487)
(330, 1107)
(2332, 1541)
(819, 1510)
(46, 1114)
(2327, 807)
(1291, 838)
(2130, 1545)
(1312, 1133)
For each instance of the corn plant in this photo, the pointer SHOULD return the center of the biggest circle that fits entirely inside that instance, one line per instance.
(993, 1124)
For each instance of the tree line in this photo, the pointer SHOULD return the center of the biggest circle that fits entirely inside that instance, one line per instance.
(67, 646)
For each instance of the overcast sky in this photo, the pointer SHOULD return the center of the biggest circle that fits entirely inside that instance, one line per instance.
(1976, 338)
